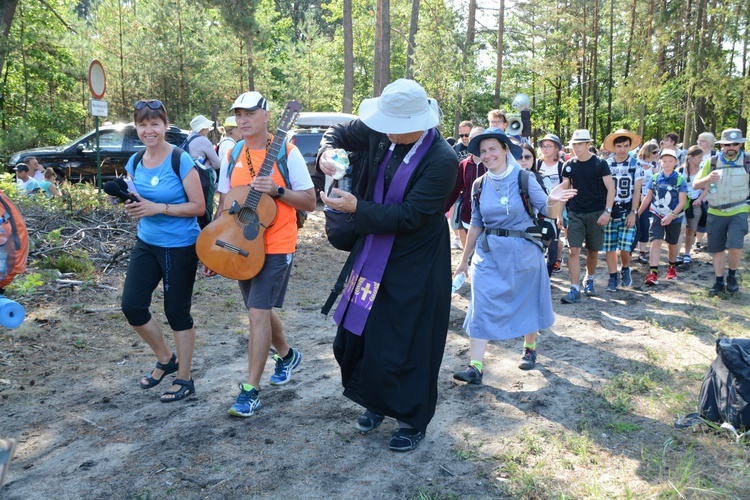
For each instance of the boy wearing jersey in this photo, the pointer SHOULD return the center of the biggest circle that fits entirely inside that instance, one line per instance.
(666, 197)
(619, 233)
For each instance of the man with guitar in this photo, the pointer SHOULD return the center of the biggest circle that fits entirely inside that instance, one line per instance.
(257, 225)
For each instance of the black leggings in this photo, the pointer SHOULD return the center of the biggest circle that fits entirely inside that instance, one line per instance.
(148, 266)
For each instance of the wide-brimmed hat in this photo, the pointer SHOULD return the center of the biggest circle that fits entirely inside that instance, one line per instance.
(581, 135)
(609, 141)
(250, 101)
(200, 122)
(730, 136)
(668, 152)
(230, 121)
(402, 108)
(494, 133)
(553, 138)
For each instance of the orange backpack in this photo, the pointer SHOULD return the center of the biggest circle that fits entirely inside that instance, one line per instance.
(14, 241)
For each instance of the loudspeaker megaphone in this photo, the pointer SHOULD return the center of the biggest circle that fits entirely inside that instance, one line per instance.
(515, 125)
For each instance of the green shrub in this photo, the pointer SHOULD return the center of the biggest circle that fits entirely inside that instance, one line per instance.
(76, 262)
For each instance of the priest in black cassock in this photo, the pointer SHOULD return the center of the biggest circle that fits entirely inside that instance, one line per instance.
(393, 314)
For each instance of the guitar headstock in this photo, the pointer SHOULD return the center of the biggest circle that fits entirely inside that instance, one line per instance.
(289, 115)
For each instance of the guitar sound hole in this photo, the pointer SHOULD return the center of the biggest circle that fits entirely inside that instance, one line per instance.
(247, 216)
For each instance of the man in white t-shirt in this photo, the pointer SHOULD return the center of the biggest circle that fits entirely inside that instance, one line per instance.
(36, 170)
(266, 290)
(24, 182)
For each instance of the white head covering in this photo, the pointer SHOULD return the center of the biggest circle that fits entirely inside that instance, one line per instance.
(402, 108)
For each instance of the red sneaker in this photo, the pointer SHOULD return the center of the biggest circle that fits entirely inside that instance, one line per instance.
(652, 279)
(671, 273)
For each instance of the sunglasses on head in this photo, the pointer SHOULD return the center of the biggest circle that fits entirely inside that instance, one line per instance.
(463, 135)
(151, 103)
(527, 157)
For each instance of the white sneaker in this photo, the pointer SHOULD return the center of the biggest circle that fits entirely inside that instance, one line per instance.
(456, 245)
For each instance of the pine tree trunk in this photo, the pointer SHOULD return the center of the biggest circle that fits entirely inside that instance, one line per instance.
(411, 46)
(348, 98)
(499, 64)
(382, 60)
(7, 11)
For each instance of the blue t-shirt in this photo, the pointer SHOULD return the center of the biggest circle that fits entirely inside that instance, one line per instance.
(667, 191)
(161, 185)
(45, 187)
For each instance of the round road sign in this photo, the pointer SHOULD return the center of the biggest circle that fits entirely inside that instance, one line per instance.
(97, 80)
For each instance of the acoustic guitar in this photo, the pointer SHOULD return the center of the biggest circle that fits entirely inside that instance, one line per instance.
(233, 245)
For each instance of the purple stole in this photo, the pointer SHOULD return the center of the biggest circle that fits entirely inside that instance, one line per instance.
(369, 265)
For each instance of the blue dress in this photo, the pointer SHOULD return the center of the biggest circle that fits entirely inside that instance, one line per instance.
(510, 288)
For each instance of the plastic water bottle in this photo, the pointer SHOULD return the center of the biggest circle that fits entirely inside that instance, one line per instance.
(3, 262)
(344, 170)
(458, 282)
(712, 188)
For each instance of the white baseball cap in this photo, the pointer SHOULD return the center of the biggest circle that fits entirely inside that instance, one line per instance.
(250, 101)
(668, 152)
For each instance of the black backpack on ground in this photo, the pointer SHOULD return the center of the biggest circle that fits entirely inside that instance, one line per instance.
(725, 393)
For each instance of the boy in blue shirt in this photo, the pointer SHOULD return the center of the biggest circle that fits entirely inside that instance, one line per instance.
(666, 197)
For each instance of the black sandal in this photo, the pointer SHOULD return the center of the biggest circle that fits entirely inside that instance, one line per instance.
(170, 367)
(405, 439)
(368, 421)
(187, 389)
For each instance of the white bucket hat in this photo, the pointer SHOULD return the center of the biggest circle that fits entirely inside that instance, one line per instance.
(231, 121)
(199, 123)
(402, 108)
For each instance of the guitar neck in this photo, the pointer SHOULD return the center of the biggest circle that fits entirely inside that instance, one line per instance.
(267, 168)
(287, 119)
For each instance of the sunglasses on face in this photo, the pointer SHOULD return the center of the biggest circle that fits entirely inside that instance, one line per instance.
(151, 103)
(463, 135)
(527, 157)
(735, 144)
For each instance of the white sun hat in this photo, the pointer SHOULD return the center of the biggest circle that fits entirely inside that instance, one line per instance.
(402, 108)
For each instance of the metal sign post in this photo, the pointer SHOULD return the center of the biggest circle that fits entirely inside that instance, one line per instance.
(97, 84)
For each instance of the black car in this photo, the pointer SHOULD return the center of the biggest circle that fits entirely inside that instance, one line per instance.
(306, 135)
(76, 161)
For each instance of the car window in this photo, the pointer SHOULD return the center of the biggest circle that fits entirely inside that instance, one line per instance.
(109, 140)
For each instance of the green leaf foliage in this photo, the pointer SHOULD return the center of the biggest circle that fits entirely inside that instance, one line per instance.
(679, 68)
